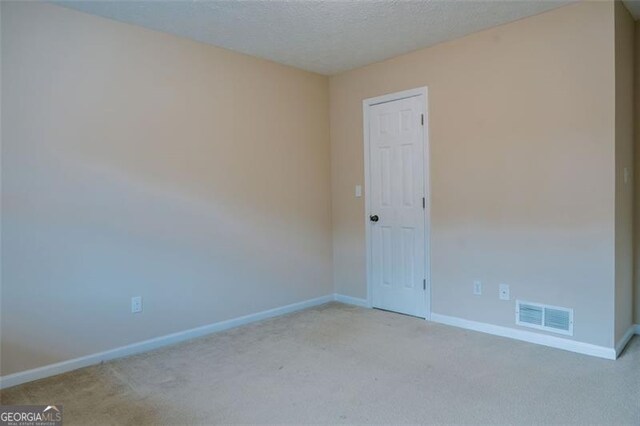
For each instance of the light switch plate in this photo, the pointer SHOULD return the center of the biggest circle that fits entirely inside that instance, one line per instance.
(358, 191)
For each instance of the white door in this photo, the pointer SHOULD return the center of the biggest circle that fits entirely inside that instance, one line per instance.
(397, 214)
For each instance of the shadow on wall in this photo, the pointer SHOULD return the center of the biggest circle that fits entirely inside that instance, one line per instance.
(80, 239)
(138, 163)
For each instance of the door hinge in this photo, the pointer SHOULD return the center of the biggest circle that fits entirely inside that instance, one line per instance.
(424, 284)
(424, 203)
(422, 119)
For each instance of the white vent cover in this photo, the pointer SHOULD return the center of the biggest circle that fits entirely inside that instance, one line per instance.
(544, 317)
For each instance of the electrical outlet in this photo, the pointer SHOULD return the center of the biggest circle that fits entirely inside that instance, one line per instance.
(504, 292)
(477, 288)
(136, 305)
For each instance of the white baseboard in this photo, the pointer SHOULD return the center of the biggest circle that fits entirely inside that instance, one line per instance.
(528, 336)
(625, 339)
(170, 339)
(147, 345)
(351, 300)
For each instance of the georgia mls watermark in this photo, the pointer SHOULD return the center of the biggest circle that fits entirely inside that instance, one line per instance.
(30, 415)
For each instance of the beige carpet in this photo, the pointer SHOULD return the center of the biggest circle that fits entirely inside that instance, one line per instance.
(342, 364)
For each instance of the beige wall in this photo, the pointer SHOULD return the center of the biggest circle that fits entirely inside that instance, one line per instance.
(139, 163)
(522, 123)
(624, 134)
(637, 174)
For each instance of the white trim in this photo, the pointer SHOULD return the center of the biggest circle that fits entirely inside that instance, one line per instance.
(364, 303)
(170, 339)
(528, 336)
(147, 345)
(396, 96)
(366, 105)
(622, 343)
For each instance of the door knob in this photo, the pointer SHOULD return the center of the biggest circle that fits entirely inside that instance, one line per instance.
(374, 218)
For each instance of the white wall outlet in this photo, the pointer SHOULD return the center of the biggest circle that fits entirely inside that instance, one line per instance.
(358, 191)
(503, 292)
(136, 304)
(477, 288)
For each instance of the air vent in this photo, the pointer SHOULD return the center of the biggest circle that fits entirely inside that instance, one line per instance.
(531, 314)
(544, 317)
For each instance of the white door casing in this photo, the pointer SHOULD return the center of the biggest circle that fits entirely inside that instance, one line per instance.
(396, 168)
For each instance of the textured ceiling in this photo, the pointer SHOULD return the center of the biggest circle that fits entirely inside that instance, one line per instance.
(322, 36)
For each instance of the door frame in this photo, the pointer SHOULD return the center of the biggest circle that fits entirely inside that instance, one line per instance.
(366, 106)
